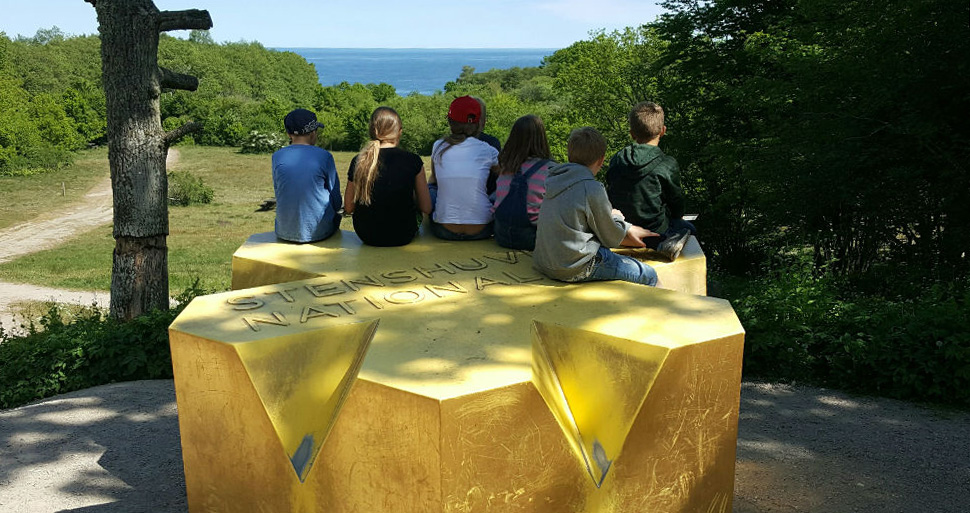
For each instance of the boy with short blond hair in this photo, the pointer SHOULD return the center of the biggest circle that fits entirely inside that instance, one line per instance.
(644, 183)
(577, 225)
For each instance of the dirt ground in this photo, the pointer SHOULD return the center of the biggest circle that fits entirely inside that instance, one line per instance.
(116, 448)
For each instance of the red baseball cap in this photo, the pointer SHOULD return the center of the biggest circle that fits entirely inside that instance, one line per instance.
(465, 109)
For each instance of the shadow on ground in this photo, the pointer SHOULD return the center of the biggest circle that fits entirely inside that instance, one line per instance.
(805, 449)
(116, 449)
(107, 449)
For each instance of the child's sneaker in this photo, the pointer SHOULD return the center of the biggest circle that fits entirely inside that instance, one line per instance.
(673, 245)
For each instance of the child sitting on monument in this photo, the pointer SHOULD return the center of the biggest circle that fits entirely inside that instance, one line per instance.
(383, 184)
(306, 184)
(522, 168)
(577, 225)
(460, 166)
(644, 183)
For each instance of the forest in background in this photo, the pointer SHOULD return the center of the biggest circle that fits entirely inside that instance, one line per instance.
(824, 144)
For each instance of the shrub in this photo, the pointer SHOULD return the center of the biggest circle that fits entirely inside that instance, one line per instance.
(914, 344)
(263, 142)
(60, 357)
(184, 189)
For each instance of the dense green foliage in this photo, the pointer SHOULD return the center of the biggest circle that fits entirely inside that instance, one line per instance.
(89, 350)
(840, 121)
(52, 101)
(242, 87)
(911, 342)
(825, 145)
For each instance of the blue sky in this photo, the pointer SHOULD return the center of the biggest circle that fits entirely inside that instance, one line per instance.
(368, 24)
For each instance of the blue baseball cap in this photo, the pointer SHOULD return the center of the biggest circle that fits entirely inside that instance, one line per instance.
(301, 122)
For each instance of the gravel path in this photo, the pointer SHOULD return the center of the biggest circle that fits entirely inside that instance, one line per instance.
(49, 232)
(116, 448)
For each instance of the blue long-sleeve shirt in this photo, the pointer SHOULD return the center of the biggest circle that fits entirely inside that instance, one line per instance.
(307, 193)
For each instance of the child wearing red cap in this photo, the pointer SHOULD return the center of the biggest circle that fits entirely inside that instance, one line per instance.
(460, 166)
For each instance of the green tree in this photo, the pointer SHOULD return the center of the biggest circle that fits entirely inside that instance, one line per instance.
(832, 124)
(382, 92)
(603, 77)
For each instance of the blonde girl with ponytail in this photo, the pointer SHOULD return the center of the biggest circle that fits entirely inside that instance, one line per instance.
(387, 190)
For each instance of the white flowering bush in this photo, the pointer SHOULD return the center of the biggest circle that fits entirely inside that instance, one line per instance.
(263, 142)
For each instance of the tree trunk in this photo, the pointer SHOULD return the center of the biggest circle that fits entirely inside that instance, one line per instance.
(137, 147)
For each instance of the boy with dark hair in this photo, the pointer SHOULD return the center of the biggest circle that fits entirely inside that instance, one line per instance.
(306, 184)
(577, 225)
(644, 183)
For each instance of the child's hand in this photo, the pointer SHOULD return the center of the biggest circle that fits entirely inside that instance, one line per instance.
(635, 235)
(617, 213)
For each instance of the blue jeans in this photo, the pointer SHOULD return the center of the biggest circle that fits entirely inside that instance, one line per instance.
(607, 265)
(443, 233)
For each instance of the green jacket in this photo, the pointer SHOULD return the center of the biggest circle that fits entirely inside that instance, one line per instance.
(644, 184)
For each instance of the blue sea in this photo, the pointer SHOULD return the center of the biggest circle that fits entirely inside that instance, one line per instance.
(420, 70)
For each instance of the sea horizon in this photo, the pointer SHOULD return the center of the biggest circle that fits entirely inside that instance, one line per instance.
(497, 48)
(411, 70)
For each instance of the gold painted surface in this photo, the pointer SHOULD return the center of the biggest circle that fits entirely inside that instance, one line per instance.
(686, 274)
(262, 260)
(594, 385)
(248, 273)
(232, 456)
(680, 453)
(459, 333)
(502, 450)
(381, 454)
(444, 414)
(302, 380)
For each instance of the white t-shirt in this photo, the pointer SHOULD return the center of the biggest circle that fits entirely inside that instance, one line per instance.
(461, 173)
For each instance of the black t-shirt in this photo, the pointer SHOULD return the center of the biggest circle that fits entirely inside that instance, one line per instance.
(391, 219)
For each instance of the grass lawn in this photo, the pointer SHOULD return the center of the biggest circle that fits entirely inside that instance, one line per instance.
(30, 197)
(202, 238)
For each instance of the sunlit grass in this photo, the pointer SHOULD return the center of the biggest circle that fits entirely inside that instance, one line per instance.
(202, 238)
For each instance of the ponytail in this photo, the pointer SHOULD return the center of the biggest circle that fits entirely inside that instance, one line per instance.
(385, 126)
(460, 132)
(365, 171)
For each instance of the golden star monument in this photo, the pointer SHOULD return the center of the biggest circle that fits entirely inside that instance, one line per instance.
(451, 377)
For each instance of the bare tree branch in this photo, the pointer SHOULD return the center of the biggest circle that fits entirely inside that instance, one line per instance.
(180, 132)
(192, 19)
(172, 80)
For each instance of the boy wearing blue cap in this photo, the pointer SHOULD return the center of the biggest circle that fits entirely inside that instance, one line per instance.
(306, 183)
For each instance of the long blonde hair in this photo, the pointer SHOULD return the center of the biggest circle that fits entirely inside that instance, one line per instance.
(385, 126)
